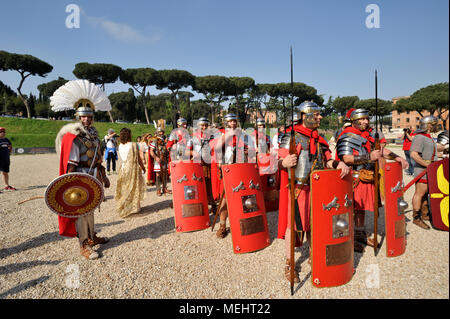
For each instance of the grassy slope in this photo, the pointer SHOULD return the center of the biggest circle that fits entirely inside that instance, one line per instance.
(41, 133)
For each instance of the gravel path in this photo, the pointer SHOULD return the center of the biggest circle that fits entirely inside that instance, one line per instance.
(146, 258)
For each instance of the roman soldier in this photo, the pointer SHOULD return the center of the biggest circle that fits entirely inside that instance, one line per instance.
(312, 152)
(355, 146)
(150, 178)
(160, 154)
(201, 153)
(179, 143)
(231, 147)
(267, 165)
(424, 151)
(261, 139)
(80, 151)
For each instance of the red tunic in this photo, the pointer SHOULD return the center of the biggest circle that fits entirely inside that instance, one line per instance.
(303, 199)
(150, 171)
(363, 193)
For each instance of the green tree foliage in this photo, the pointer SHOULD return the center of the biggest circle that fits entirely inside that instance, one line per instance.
(9, 101)
(384, 107)
(185, 105)
(305, 92)
(278, 97)
(175, 80)
(4, 89)
(433, 98)
(98, 73)
(330, 118)
(342, 104)
(215, 89)
(46, 90)
(26, 65)
(123, 105)
(200, 108)
(140, 79)
(157, 104)
(239, 87)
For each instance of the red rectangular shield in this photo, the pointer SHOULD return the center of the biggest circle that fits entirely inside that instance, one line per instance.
(190, 202)
(246, 208)
(395, 223)
(331, 228)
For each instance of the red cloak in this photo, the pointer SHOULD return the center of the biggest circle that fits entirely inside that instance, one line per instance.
(66, 225)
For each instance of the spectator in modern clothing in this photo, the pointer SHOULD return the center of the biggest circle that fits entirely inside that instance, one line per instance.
(407, 137)
(111, 150)
(5, 152)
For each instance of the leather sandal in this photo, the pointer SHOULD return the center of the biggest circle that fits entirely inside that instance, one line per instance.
(417, 220)
(358, 247)
(87, 251)
(222, 232)
(97, 240)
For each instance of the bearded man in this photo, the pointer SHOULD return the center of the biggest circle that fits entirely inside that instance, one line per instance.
(356, 147)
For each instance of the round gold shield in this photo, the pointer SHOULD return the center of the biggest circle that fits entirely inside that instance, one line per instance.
(74, 194)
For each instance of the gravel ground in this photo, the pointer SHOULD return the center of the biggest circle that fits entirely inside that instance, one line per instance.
(146, 258)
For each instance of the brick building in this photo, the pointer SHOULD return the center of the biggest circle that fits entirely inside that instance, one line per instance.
(411, 118)
(270, 117)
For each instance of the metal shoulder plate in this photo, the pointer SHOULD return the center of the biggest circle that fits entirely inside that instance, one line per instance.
(285, 139)
(299, 139)
(442, 138)
(349, 142)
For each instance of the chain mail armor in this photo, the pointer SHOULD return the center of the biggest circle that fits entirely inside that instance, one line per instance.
(306, 162)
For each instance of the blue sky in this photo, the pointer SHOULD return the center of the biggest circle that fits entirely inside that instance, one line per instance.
(333, 49)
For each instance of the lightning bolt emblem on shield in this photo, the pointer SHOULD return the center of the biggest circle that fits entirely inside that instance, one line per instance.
(443, 187)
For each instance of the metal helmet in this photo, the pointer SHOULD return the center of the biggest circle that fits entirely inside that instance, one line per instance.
(442, 138)
(181, 121)
(424, 121)
(347, 122)
(202, 120)
(309, 108)
(84, 111)
(260, 121)
(357, 114)
(230, 117)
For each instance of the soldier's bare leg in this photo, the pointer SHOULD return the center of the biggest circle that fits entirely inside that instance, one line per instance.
(223, 211)
(158, 184)
(360, 235)
(425, 212)
(421, 190)
(165, 180)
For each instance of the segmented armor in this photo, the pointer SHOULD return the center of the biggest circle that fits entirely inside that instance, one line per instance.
(443, 139)
(348, 143)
